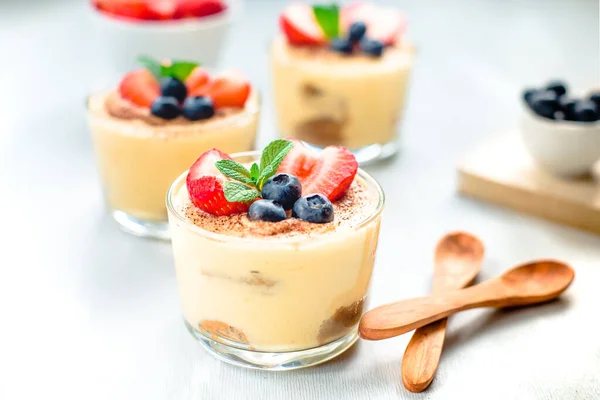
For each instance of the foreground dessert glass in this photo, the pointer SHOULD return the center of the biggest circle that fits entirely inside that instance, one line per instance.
(138, 161)
(324, 98)
(274, 303)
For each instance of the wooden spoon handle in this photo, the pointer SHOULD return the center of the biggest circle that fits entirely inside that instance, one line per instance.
(422, 356)
(394, 319)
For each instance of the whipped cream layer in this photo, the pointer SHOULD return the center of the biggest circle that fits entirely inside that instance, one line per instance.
(350, 211)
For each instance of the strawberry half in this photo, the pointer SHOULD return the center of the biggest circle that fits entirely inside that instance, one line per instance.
(333, 174)
(136, 9)
(205, 186)
(330, 173)
(226, 91)
(199, 8)
(299, 161)
(139, 87)
(383, 24)
(300, 26)
(197, 79)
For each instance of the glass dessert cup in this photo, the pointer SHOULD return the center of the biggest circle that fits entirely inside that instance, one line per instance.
(273, 303)
(324, 98)
(138, 162)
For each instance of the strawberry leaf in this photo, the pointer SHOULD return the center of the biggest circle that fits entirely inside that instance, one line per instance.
(328, 18)
(234, 170)
(238, 192)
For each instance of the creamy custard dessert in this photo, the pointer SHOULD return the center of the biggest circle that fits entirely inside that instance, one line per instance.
(276, 275)
(345, 86)
(151, 128)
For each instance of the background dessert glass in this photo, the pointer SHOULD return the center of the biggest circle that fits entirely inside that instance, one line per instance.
(138, 162)
(273, 304)
(324, 98)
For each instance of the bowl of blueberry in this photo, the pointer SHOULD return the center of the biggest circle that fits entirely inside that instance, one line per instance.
(561, 132)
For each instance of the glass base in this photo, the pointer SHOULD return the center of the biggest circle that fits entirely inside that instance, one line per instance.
(370, 154)
(267, 361)
(140, 227)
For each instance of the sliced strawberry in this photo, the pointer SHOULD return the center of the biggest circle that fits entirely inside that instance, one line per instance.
(299, 161)
(162, 9)
(139, 87)
(383, 24)
(333, 173)
(199, 8)
(207, 194)
(198, 78)
(300, 26)
(225, 91)
(205, 186)
(133, 9)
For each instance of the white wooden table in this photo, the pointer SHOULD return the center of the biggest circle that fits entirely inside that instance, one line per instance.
(88, 312)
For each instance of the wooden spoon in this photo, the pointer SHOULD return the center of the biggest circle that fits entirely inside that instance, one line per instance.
(534, 282)
(457, 261)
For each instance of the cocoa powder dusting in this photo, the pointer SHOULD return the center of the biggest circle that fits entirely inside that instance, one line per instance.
(349, 211)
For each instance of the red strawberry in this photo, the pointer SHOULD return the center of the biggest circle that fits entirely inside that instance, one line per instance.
(134, 9)
(299, 161)
(333, 173)
(383, 24)
(139, 87)
(300, 26)
(207, 194)
(162, 9)
(198, 78)
(199, 8)
(205, 186)
(225, 91)
(330, 173)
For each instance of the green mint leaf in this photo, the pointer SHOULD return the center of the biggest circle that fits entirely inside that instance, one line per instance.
(254, 172)
(178, 69)
(151, 65)
(271, 158)
(328, 18)
(238, 192)
(234, 170)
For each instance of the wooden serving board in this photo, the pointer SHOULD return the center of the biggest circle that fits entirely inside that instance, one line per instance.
(502, 172)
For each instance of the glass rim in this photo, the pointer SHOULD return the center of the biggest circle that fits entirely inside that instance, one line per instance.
(372, 182)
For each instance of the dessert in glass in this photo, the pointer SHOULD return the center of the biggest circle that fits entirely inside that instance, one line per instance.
(273, 262)
(152, 127)
(340, 76)
(175, 29)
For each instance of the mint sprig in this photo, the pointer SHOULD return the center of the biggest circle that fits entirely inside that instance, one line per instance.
(250, 182)
(177, 69)
(328, 18)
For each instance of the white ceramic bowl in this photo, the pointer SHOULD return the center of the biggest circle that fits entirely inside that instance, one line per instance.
(562, 148)
(120, 42)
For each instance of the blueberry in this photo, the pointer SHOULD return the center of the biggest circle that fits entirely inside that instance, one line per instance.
(314, 208)
(166, 107)
(557, 87)
(173, 87)
(341, 45)
(527, 93)
(586, 111)
(372, 47)
(357, 31)
(567, 106)
(559, 116)
(544, 103)
(266, 210)
(197, 108)
(284, 189)
(595, 97)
